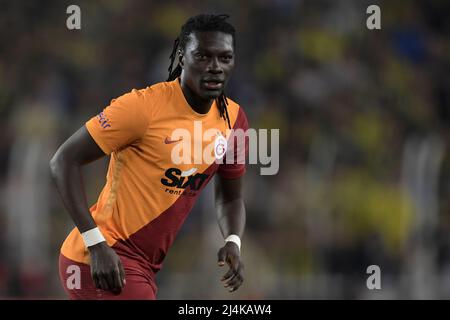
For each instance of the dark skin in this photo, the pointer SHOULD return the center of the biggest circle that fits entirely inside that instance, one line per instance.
(106, 268)
(207, 62)
(208, 56)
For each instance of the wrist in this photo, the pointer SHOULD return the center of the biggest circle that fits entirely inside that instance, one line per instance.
(235, 239)
(98, 247)
(93, 237)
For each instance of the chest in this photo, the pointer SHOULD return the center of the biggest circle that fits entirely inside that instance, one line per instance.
(184, 143)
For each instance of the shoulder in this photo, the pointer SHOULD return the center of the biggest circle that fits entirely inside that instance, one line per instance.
(143, 99)
(159, 89)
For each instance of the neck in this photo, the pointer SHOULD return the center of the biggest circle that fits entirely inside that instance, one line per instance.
(198, 104)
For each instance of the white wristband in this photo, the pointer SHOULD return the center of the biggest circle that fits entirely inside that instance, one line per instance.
(92, 237)
(234, 238)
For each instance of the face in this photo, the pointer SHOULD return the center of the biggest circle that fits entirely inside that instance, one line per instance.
(207, 62)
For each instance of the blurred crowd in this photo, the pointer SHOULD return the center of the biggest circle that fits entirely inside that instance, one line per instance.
(363, 116)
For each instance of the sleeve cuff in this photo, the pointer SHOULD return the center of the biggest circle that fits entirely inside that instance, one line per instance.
(107, 150)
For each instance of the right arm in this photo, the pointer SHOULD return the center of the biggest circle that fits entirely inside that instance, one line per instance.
(106, 268)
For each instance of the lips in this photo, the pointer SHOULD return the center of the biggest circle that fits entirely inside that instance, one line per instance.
(213, 84)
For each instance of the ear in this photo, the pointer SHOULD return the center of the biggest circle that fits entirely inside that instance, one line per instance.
(181, 58)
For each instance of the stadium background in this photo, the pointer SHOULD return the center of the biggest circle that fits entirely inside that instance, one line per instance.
(364, 160)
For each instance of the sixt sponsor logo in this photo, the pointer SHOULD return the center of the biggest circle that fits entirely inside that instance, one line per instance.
(104, 122)
(185, 183)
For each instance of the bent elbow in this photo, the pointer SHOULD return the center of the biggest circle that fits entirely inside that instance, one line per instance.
(54, 164)
(57, 163)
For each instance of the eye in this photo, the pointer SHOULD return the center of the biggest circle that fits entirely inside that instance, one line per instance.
(200, 56)
(227, 58)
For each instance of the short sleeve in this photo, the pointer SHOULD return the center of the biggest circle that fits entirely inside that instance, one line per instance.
(122, 123)
(234, 162)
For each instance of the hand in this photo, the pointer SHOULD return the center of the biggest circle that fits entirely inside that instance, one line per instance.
(106, 268)
(229, 253)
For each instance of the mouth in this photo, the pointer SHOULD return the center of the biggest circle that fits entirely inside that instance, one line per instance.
(213, 84)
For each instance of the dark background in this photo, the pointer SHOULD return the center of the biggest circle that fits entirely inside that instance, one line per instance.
(363, 118)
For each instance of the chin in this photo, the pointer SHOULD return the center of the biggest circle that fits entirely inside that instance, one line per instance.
(212, 94)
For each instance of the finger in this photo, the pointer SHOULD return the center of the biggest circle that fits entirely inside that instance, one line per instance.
(102, 281)
(228, 275)
(99, 283)
(234, 282)
(240, 270)
(233, 276)
(238, 277)
(110, 278)
(234, 262)
(221, 255)
(232, 289)
(122, 274)
(236, 285)
(96, 280)
(234, 265)
(117, 280)
(235, 273)
(227, 282)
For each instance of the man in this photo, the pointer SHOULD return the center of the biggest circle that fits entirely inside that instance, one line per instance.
(119, 244)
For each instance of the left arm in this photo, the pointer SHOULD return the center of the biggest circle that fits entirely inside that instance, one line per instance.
(231, 218)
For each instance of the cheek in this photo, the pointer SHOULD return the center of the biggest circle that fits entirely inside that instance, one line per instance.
(190, 74)
(193, 71)
(228, 67)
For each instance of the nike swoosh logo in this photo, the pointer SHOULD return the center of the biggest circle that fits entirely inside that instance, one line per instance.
(168, 141)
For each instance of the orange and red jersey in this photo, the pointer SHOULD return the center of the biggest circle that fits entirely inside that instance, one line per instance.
(147, 197)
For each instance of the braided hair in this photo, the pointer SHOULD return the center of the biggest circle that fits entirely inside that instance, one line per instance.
(202, 22)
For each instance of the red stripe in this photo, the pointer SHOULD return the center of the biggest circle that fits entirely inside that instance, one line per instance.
(149, 245)
(235, 170)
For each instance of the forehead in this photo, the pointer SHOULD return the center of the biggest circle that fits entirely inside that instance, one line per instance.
(210, 40)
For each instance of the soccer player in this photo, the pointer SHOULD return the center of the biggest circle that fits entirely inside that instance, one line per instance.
(119, 244)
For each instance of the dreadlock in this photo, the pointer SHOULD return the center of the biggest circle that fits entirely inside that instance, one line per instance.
(202, 22)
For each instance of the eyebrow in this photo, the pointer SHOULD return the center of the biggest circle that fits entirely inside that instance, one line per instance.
(209, 51)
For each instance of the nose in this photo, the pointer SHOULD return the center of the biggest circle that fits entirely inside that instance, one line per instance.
(214, 66)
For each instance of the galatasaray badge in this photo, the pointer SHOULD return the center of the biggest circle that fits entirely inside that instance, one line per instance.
(220, 146)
